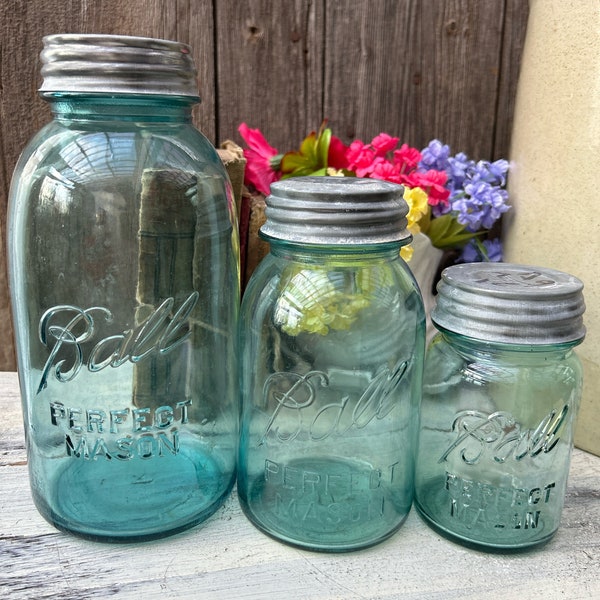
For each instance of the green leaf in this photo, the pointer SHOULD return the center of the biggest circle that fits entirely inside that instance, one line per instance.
(446, 232)
(319, 172)
(323, 142)
(311, 157)
(308, 148)
(294, 160)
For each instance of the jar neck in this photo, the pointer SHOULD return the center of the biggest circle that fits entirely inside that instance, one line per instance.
(333, 254)
(120, 107)
(483, 349)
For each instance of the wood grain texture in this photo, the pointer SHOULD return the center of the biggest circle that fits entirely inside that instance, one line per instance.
(227, 558)
(460, 63)
(513, 40)
(416, 69)
(371, 69)
(421, 70)
(270, 59)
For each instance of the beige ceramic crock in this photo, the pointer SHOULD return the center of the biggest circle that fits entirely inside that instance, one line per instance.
(555, 179)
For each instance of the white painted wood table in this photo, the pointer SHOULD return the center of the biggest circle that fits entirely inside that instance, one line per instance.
(227, 558)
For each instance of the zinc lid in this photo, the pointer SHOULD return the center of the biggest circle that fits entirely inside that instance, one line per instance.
(336, 211)
(510, 303)
(93, 63)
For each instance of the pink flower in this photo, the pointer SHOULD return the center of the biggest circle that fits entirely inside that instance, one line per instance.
(408, 158)
(433, 183)
(262, 168)
(384, 169)
(373, 160)
(383, 143)
(360, 158)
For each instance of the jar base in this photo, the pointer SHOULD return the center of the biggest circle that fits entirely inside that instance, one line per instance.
(498, 545)
(314, 547)
(104, 502)
(355, 512)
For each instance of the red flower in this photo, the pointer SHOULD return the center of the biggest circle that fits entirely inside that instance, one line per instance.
(336, 157)
(262, 168)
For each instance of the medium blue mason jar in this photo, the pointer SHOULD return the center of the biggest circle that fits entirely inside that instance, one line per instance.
(332, 342)
(501, 392)
(124, 278)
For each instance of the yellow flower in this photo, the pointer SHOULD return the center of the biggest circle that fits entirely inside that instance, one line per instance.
(406, 252)
(416, 198)
(321, 299)
(335, 172)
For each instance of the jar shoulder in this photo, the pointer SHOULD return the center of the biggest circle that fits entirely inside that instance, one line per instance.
(82, 154)
(325, 287)
(184, 138)
(447, 361)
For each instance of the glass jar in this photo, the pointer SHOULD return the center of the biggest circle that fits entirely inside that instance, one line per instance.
(125, 288)
(332, 343)
(501, 391)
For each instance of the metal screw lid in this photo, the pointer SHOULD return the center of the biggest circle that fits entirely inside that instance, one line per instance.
(92, 63)
(509, 303)
(336, 211)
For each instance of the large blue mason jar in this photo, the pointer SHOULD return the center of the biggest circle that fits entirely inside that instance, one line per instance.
(332, 342)
(125, 287)
(501, 391)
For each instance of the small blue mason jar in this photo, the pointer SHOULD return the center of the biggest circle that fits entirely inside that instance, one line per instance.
(501, 390)
(123, 258)
(332, 342)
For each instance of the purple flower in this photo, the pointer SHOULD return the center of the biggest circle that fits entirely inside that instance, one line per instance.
(480, 206)
(494, 250)
(493, 173)
(459, 169)
(477, 198)
(435, 156)
(441, 208)
(476, 251)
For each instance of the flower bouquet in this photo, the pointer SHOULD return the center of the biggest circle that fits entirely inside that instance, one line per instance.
(453, 200)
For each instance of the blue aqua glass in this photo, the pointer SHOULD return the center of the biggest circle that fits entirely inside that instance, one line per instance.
(125, 288)
(332, 343)
(499, 406)
(495, 442)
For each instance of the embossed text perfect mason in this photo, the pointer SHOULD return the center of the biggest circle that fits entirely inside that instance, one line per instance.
(124, 276)
(501, 391)
(332, 336)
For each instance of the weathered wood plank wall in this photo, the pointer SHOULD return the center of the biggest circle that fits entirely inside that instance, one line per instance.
(414, 68)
